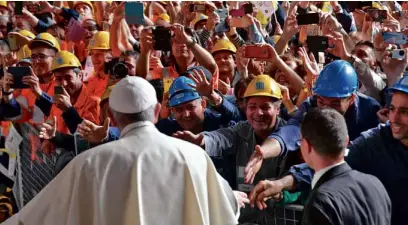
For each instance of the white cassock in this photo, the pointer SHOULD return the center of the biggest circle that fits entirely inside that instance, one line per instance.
(145, 178)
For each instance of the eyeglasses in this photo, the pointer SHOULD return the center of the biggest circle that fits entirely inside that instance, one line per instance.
(40, 57)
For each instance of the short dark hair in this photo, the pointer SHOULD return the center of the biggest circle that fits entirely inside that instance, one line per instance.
(326, 130)
(133, 54)
(366, 43)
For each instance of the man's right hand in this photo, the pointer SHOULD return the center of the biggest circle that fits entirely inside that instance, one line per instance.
(253, 165)
(93, 133)
(146, 41)
(264, 190)
(197, 139)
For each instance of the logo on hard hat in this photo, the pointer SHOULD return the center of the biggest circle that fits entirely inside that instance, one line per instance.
(92, 42)
(59, 61)
(259, 86)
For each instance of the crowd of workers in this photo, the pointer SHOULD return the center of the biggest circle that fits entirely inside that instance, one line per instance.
(260, 90)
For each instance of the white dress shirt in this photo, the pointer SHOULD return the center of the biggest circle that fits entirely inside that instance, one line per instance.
(321, 172)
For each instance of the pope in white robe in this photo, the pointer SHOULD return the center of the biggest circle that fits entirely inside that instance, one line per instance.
(144, 178)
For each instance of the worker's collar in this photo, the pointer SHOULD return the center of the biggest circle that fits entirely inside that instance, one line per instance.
(133, 126)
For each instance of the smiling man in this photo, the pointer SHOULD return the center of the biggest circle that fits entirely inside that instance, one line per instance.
(235, 144)
(189, 109)
(381, 152)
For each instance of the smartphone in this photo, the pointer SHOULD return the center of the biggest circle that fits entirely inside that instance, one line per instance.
(398, 54)
(18, 8)
(222, 13)
(12, 40)
(58, 90)
(377, 15)
(166, 84)
(162, 38)
(198, 8)
(238, 22)
(310, 18)
(134, 13)
(18, 74)
(317, 43)
(257, 52)
(395, 38)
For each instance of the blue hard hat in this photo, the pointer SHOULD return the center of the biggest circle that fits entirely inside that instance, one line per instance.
(181, 92)
(401, 85)
(337, 80)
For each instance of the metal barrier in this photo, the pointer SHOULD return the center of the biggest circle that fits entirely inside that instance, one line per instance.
(290, 214)
(287, 215)
(34, 168)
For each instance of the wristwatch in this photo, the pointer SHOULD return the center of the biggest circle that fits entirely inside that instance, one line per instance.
(192, 43)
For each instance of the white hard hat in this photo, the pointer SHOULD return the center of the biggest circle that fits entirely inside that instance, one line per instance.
(132, 95)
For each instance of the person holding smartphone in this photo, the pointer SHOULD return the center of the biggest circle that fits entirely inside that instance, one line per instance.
(36, 101)
(72, 102)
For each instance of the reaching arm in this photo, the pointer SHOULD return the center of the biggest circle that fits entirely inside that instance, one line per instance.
(204, 58)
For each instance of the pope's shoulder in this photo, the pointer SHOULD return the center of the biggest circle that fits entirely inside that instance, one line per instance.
(147, 145)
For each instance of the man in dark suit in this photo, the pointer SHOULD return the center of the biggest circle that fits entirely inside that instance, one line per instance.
(339, 194)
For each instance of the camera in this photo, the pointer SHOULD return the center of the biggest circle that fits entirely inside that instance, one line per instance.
(317, 43)
(398, 54)
(116, 68)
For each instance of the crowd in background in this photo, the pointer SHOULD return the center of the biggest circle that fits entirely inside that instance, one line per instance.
(235, 78)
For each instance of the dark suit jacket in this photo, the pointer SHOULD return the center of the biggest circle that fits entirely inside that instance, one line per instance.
(343, 196)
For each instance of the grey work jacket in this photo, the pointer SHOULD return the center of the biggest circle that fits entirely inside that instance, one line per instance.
(235, 145)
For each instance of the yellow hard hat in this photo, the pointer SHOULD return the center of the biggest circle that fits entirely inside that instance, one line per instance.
(199, 17)
(23, 52)
(100, 41)
(27, 33)
(223, 45)
(89, 3)
(3, 4)
(263, 85)
(106, 93)
(377, 5)
(163, 16)
(45, 38)
(64, 59)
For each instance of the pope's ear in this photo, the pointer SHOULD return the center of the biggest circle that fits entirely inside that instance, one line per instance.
(157, 110)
